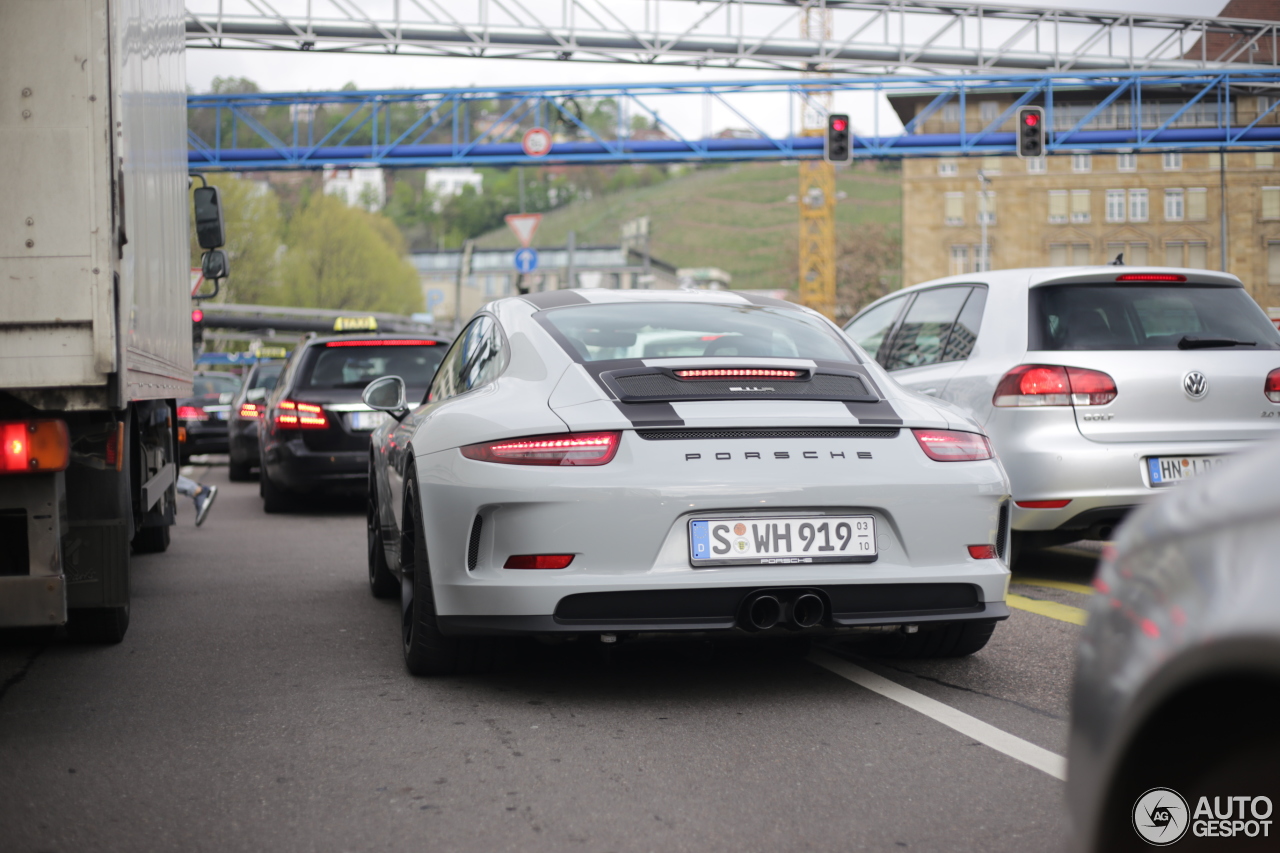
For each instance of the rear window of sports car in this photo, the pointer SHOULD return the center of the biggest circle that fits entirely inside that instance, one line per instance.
(690, 330)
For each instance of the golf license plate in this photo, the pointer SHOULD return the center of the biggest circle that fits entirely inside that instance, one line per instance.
(366, 421)
(1171, 470)
(782, 541)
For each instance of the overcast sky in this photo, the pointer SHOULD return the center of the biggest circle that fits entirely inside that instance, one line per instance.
(290, 71)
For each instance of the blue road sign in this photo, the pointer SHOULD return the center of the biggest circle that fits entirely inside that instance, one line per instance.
(526, 260)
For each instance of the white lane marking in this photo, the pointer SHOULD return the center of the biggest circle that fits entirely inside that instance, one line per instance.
(1001, 741)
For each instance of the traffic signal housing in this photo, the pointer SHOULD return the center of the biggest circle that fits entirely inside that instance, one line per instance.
(197, 328)
(839, 142)
(1031, 132)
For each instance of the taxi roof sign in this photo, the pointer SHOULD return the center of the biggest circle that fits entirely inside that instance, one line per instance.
(355, 324)
(270, 352)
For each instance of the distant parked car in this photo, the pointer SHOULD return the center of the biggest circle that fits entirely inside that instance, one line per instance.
(202, 417)
(246, 411)
(1178, 674)
(1099, 386)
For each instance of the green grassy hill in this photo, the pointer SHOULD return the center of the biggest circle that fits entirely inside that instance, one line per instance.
(736, 218)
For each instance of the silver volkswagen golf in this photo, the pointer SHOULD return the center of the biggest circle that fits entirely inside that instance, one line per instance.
(614, 463)
(1099, 386)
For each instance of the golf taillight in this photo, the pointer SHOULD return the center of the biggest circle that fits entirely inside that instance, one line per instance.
(1054, 385)
(1272, 388)
(192, 413)
(291, 414)
(34, 447)
(585, 448)
(250, 411)
(538, 561)
(950, 445)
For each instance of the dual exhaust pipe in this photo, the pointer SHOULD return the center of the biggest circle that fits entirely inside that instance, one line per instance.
(764, 610)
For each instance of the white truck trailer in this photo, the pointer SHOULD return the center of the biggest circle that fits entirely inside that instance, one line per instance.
(95, 323)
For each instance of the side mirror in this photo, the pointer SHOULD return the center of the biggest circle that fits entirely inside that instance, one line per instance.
(210, 233)
(254, 394)
(386, 394)
(214, 265)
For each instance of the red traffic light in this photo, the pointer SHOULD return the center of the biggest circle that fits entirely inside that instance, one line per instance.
(839, 124)
(197, 316)
(1031, 119)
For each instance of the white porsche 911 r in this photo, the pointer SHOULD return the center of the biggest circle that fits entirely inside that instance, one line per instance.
(617, 463)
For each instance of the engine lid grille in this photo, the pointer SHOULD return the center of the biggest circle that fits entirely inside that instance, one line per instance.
(642, 385)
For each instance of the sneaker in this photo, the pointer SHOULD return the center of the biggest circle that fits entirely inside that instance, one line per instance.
(204, 500)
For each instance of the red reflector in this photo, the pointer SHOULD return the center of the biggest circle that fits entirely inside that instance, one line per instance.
(949, 445)
(192, 413)
(1043, 504)
(538, 561)
(382, 343)
(34, 447)
(1150, 276)
(738, 372)
(982, 552)
(595, 448)
(1272, 386)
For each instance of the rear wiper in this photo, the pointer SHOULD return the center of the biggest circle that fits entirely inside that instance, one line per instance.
(1190, 342)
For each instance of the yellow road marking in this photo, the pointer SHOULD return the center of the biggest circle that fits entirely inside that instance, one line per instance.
(1052, 609)
(1049, 584)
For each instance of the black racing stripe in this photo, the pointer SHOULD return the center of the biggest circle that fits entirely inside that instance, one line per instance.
(650, 414)
(757, 299)
(879, 414)
(555, 299)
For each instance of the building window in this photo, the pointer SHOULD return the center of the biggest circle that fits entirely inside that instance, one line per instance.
(1114, 250)
(1035, 165)
(1173, 254)
(1174, 205)
(1126, 162)
(1080, 255)
(1137, 205)
(991, 165)
(1215, 160)
(986, 207)
(1057, 254)
(981, 259)
(1082, 162)
(1115, 205)
(1172, 161)
(1264, 160)
(1197, 203)
(1079, 205)
(951, 112)
(947, 168)
(954, 209)
(1137, 255)
(1057, 207)
(959, 260)
(1273, 262)
(988, 111)
(1198, 255)
(1271, 202)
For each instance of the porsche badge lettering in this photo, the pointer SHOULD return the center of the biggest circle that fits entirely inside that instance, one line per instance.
(723, 456)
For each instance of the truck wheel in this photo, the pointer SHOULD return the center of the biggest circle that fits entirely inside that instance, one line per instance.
(426, 650)
(151, 540)
(102, 625)
(952, 640)
(239, 472)
(274, 498)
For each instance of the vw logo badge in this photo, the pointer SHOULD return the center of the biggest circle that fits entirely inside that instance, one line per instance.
(1195, 385)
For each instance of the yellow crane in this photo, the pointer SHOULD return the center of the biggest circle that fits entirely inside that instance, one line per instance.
(817, 197)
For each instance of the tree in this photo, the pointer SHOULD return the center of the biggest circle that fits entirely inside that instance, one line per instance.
(868, 266)
(344, 258)
(251, 212)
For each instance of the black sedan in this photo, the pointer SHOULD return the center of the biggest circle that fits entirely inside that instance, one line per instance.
(314, 438)
(202, 417)
(246, 413)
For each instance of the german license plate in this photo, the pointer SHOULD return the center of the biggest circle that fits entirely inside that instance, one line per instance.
(782, 541)
(366, 421)
(1171, 470)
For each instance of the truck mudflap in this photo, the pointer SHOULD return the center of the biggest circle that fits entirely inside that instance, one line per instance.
(32, 601)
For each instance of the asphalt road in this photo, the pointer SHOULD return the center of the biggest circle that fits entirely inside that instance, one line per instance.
(259, 702)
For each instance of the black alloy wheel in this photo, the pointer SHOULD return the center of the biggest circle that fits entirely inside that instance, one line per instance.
(382, 583)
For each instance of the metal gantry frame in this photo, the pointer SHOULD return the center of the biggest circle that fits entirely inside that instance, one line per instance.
(1122, 112)
(752, 34)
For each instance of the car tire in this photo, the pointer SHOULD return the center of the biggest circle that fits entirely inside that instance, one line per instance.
(949, 640)
(382, 583)
(274, 498)
(239, 472)
(151, 540)
(426, 650)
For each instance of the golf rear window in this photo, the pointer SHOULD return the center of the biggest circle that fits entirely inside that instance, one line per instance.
(355, 366)
(689, 330)
(1147, 317)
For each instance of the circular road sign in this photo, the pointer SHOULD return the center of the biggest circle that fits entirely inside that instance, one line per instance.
(526, 260)
(537, 141)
